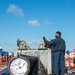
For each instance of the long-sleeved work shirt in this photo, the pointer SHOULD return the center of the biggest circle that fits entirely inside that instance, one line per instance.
(57, 44)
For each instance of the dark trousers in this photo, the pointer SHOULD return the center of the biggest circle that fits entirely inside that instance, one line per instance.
(58, 63)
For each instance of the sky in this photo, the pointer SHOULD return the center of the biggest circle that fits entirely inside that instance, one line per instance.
(30, 20)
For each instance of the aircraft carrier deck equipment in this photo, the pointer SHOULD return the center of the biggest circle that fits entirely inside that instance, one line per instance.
(28, 61)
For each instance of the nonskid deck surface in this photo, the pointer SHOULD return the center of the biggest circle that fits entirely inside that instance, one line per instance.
(4, 70)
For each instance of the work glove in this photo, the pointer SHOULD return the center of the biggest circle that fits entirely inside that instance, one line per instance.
(44, 38)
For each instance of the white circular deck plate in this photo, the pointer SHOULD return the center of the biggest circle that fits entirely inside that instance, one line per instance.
(18, 66)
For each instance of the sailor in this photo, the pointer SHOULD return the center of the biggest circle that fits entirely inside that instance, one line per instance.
(58, 47)
(1, 52)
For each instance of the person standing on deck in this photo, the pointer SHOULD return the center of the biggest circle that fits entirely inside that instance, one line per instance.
(58, 47)
(1, 52)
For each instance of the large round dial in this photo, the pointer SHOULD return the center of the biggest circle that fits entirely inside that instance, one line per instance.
(19, 66)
